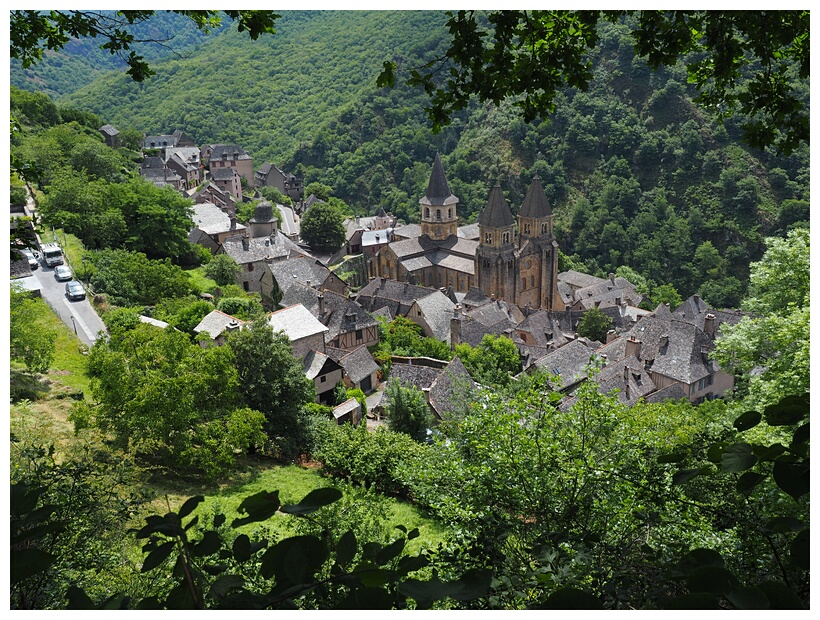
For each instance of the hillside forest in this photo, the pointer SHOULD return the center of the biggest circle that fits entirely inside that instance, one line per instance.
(149, 472)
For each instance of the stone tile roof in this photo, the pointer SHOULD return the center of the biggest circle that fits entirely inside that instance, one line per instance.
(376, 237)
(449, 261)
(187, 154)
(470, 231)
(260, 248)
(231, 151)
(675, 349)
(212, 220)
(358, 364)
(408, 231)
(109, 130)
(437, 309)
(670, 392)
(317, 363)
(341, 316)
(567, 362)
(224, 174)
(296, 321)
(472, 332)
(421, 377)
(496, 213)
(629, 377)
(450, 391)
(383, 289)
(299, 269)
(438, 191)
(474, 298)
(216, 322)
(578, 280)
(383, 311)
(535, 203)
(495, 312)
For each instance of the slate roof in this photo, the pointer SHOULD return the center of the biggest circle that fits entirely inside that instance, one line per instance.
(216, 322)
(470, 231)
(342, 315)
(670, 392)
(437, 309)
(187, 154)
(535, 203)
(152, 163)
(260, 248)
(681, 355)
(296, 321)
(578, 280)
(345, 408)
(629, 377)
(694, 310)
(232, 151)
(358, 364)
(451, 388)
(224, 174)
(472, 332)
(568, 362)
(474, 298)
(109, 130)
(495, 312)
(383, 311)
(212, 220)
(379, 291)
(301, 269)
(376, 237)
(316, 363)
(421, 377)
(496, 213)
(438, 191)
(408, 231)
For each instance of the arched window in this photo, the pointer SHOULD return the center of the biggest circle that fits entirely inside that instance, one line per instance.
(488, 237)
(449, 214)
(427, 212)
(523, 284)
(527, 228)
(532, 281)
(543, 228)
(505, 237)
(438, 215)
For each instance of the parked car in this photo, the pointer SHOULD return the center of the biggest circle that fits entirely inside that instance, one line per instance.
(32, 258)
(62, 273)
(74, 291)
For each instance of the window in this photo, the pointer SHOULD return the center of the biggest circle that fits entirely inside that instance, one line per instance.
(358, 334)
(544, 228)
(438, 215)
(523, 284)
(527, 228)
(427, 212)
(322, 379)
(449, 214)
(250, 266)
(532, 281)
(246, 285)
(505, 237)
(488, 237)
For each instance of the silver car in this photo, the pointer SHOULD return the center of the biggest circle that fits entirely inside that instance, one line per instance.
(74, 291)
(32, 258)
(62, 273)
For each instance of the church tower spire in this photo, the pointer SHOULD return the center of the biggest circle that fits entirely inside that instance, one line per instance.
(439, 219)
(496, 253)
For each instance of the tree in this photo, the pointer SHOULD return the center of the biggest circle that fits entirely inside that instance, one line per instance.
(493, 362)
(222, 269)
(407, 410)
(775, 338)
(170, 399)
(594, 325)
(742, 62)
(272, 380)
(131, 278)
(32, 341)
(32, 32)
(322, 228)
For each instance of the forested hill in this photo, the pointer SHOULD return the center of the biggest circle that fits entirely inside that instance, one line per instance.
(638, 176)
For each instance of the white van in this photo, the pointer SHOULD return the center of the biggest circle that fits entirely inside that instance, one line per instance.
(52, 254)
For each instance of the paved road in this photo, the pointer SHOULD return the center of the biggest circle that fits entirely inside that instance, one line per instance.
(78, 315)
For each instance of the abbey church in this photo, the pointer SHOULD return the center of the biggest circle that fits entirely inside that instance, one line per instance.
(520, 267)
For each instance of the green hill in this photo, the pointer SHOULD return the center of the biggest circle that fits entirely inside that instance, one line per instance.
(637, 174)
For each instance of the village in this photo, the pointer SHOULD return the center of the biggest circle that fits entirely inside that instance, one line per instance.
(457, 283)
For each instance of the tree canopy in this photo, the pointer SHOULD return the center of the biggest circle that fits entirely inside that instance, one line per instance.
(741, 61)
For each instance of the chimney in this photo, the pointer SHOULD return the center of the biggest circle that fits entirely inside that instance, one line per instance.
(626, 375)
(611, 281)
(633, 347)
(233, 325)
(321, 298)
(232, 218)
(709, 325)
(610, 336)
(455, 327)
